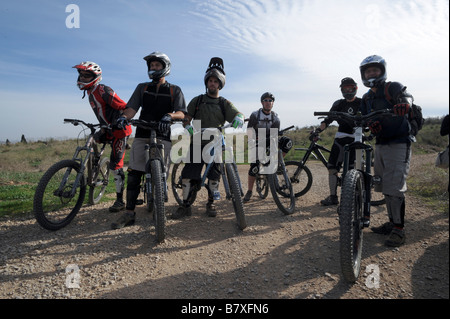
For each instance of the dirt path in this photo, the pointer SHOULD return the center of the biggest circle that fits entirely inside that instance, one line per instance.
(277, 256)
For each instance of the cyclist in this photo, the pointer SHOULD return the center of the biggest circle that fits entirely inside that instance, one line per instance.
(263, 118)
(160, 101)
(108, 107)
(393, 143)
(212, 110)
(349, 104)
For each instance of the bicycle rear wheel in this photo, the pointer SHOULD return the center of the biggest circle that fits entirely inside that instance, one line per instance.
(53, 205)
(100, 181)
(236, 198)
(351, 224)
(281, 189)
(158, 200)
(262, 186)
(300, 176)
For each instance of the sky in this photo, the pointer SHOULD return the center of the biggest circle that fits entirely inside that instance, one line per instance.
(299, 50)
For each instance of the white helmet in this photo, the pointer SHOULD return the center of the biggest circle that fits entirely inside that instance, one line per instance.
(92, 67)
(163, 59)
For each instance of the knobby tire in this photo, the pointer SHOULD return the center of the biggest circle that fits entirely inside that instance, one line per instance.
(281, 188)
(55, 211)
(300, 176)
(158, 200)
(236, 198)
(350, 224)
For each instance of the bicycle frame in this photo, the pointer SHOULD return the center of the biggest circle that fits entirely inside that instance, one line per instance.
(89, 161)
(363, 157)
(221, 144)
(315, 150)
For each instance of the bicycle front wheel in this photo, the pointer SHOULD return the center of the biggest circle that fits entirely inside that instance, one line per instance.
(281, 189)
(158, 200)
(351, 224)
(300, 176)
(177, 185)
(236, 198)
(59, 196)
(100, 180)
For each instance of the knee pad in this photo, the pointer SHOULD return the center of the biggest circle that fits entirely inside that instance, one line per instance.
(285, 144)
(119, 179)
(254, 169)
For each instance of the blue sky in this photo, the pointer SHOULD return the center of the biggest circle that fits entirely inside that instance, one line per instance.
(298, 50)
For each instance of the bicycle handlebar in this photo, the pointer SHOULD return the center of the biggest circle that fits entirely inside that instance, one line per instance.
(281, 132)
(76, 122)
(148, 124)
(358, 119)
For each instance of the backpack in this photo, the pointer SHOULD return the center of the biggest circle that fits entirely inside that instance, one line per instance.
(416, 119)
(222, 101)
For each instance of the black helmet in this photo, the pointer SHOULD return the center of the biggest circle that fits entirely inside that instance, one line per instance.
(373, 61)
(348, 82)
(215, 69)
(163, 59)
(267, 95)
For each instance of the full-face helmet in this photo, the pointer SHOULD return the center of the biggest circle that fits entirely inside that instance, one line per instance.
(91, 67)
(161, 58)
(348, 88)
(373, 61)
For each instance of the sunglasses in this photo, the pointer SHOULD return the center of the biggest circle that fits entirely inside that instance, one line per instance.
(86, 75)
(267, 100)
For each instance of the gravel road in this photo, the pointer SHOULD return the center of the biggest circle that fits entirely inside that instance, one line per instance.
(275, 257)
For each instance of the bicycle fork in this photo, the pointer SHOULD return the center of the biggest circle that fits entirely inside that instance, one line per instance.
(155, 152)
(364, 169)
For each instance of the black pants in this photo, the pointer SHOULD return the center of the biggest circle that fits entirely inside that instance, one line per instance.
(193, 170)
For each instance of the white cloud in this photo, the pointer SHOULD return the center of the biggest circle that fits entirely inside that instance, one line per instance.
(320, 42)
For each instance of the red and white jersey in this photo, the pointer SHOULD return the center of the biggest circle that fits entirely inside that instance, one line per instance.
(106, 104)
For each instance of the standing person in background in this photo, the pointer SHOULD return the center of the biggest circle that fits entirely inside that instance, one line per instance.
(160, 101)
(345, 135)
(108, 107)
(264, 118)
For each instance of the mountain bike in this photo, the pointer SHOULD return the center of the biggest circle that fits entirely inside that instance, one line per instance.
(61, 191)
(281, 185)
(300, 174)
(357, 183)
(155, 183)
(228, 172)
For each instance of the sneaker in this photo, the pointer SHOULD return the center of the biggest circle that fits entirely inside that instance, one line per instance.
(126, 219)
(247, 196)
(211, 209)
(181, 212)
(330, 200)
(396, 238)
(384, 229)
(117, 206)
